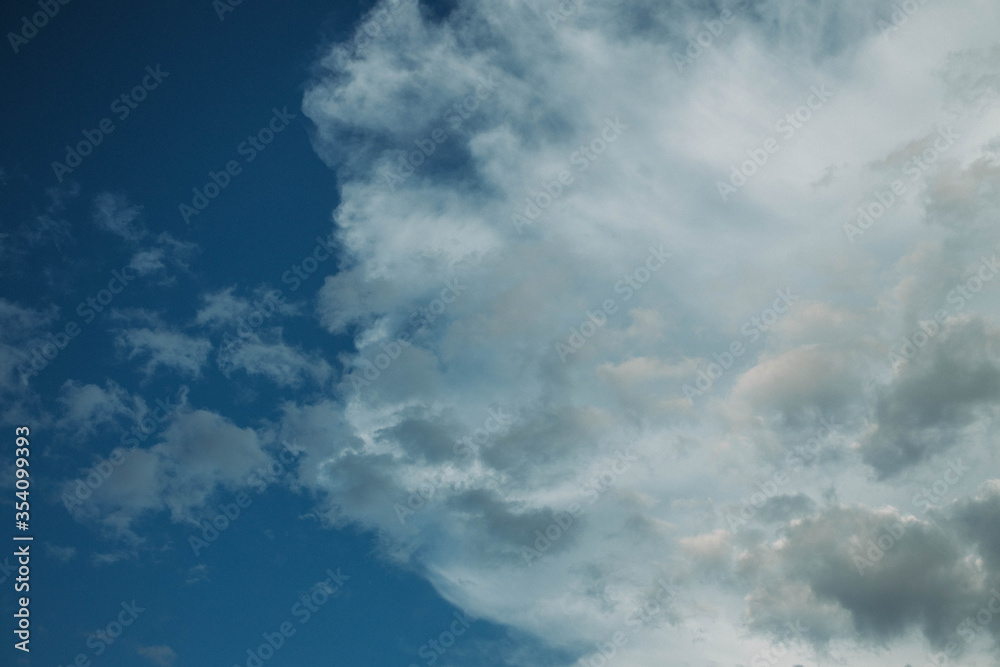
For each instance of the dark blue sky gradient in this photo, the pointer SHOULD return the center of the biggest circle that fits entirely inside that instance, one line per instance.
(225, 78)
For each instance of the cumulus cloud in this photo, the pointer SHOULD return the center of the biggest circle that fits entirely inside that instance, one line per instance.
(197, 454)
(575, 352)
(114, 213)
(61, 554)
(253, 338)
(168, 349)
(283, 364)
(224, 309)
(935, 399)
(166, 253)
(531, 218)
(86, 407)
(874, 574)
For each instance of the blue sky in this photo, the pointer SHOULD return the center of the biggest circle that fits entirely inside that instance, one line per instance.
(506, 332)
(223, 78)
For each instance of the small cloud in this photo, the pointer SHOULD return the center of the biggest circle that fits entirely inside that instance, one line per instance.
(197, 573)
(147, 261)
(828, 176)
(87, 407)
(62, 554)
(52, 226)
(168, 349)
(158, 655)
(117, 215)
(166, 253)
(109, 558)
(224, 309)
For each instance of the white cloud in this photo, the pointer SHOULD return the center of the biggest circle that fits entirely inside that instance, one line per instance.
(114, 213)
(61, 554)
(158, 655)
(253, 338)
(167, 349)
(558, 88)
(167, 253)
(199, 453)
(283, 364)
(223, 309)
(87, 407)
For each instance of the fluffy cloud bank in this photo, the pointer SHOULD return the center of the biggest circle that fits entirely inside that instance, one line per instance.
(574, 216)
(671, 319)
